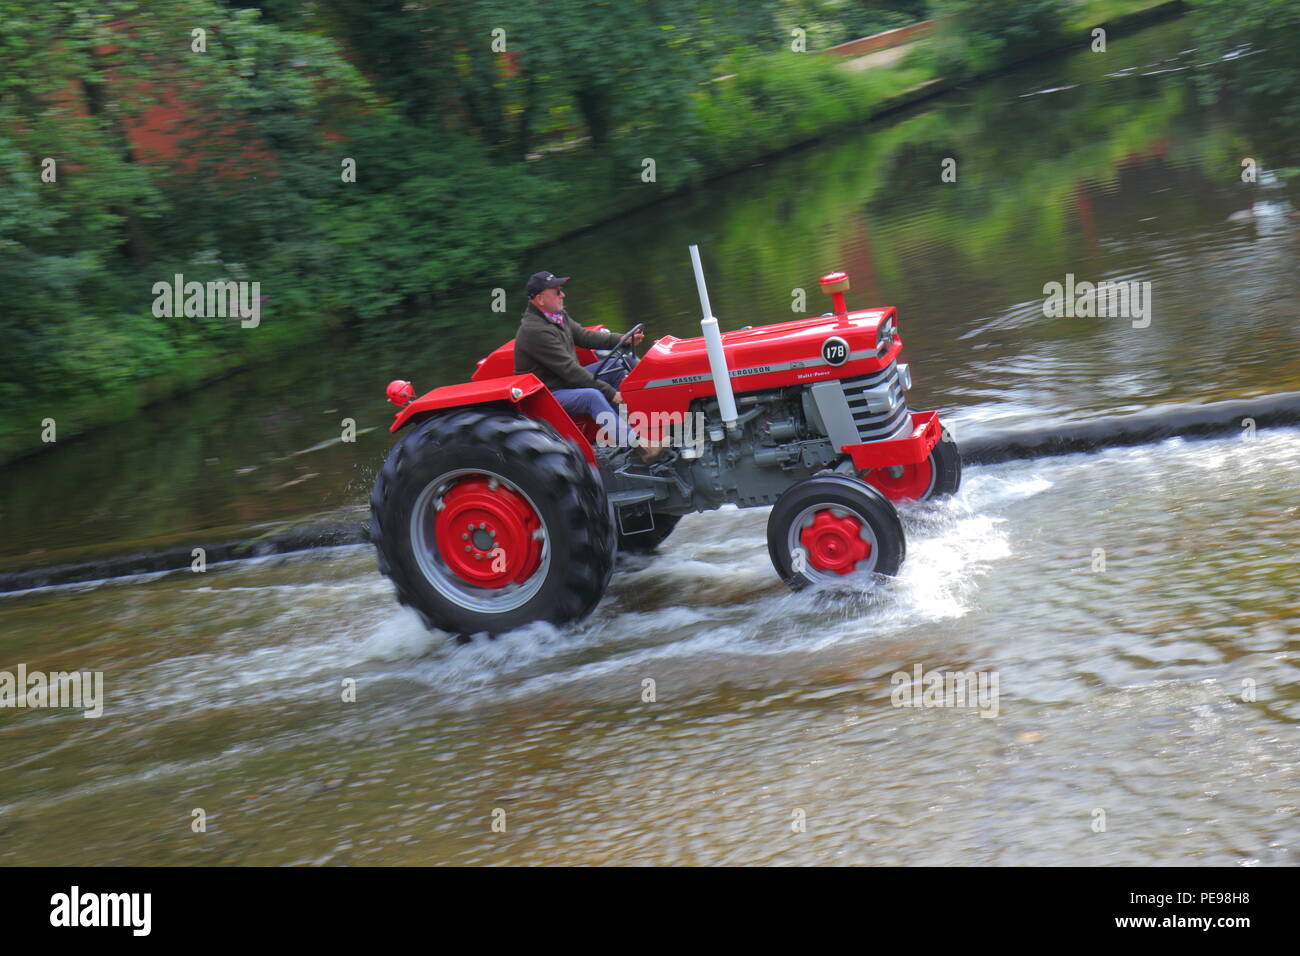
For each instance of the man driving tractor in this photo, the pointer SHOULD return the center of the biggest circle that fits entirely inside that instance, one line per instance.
(544, 346)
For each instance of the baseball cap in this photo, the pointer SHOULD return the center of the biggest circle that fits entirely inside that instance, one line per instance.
(544, 280)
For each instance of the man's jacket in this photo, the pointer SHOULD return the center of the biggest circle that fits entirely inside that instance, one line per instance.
(546, 349)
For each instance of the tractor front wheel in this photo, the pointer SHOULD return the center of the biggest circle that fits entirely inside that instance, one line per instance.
(829, 526)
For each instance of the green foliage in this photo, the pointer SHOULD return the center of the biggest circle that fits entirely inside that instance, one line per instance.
(776, 101)
(428, 212)
(233, 199)
(977, 36)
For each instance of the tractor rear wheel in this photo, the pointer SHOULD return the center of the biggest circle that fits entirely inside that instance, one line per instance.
(830, 526)
(486, 520)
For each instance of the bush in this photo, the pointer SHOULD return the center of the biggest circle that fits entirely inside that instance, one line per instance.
(430, 212)
(982, 35)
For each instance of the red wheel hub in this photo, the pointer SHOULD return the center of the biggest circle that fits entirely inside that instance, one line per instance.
(486, 533)
(912, 482)
(834, 543)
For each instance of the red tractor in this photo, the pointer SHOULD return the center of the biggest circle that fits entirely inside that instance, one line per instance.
(497, 509)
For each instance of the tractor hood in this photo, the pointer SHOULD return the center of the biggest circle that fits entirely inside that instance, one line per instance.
(771, 356)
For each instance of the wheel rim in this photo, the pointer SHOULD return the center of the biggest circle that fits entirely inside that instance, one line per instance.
(835, 542)
(905, 481)
(480, 540)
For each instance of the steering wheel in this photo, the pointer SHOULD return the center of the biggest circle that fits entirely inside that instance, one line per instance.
(618, 351)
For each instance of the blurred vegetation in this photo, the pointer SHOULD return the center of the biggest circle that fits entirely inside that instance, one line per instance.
(1254, 46)
(977, 36)
(466, 156)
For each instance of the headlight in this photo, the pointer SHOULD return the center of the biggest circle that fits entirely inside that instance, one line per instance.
(885, 335)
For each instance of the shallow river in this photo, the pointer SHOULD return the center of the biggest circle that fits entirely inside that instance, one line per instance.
(1136, 606)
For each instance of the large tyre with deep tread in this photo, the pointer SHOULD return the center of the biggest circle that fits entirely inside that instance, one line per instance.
(486, 520)
(829, 526)
(646, 541)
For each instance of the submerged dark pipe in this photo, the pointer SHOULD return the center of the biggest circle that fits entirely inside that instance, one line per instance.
(1136, 428)
(177, 559)
(1040, 441)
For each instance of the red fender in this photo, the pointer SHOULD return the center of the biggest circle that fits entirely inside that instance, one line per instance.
(525, 391)
(926, 433)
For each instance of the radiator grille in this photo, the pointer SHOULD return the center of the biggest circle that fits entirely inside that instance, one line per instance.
(874, 425)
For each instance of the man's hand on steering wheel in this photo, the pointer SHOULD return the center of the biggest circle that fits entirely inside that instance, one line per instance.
(626, 341)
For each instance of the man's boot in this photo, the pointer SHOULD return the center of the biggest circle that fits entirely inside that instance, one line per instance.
(649, 454)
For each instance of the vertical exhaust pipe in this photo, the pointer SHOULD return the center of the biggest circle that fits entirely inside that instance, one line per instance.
(713, 342)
